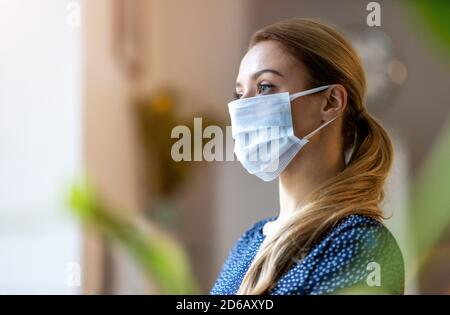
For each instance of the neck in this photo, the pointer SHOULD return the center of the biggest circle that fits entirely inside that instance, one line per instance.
(314, 165)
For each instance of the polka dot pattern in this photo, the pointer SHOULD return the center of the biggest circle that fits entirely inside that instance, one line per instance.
(358, 255)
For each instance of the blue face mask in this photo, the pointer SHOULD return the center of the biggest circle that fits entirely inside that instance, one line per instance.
(264, 136)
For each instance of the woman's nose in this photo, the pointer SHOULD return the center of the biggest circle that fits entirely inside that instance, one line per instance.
(248, 93)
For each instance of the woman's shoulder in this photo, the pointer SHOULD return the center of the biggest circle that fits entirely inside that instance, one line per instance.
(366, 236)
(361, 247)
(362, 229)
(358, 254)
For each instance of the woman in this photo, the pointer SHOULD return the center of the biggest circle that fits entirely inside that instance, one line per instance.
(331, 157)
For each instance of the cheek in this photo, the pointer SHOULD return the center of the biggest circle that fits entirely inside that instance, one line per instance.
(305, 117)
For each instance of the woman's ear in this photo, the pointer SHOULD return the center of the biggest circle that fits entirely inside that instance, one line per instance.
(335, 102)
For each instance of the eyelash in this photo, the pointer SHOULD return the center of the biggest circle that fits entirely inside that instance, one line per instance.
(269, 86)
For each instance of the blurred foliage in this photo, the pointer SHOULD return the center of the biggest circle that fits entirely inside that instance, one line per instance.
(431, 195)
(157, 115)
(159, 255)
(156, 119)
(435, 268)
(434, 16)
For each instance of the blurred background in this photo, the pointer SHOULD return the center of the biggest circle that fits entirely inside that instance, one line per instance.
(90, 91)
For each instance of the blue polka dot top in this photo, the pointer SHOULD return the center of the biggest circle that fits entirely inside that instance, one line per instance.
(358, 255)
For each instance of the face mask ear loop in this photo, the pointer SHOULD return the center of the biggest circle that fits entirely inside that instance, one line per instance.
(308, 136)
(307, 92)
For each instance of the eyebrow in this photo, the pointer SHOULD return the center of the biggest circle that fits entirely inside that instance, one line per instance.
(258, 73)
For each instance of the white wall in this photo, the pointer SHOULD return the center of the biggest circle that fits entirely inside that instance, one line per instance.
(40, 145)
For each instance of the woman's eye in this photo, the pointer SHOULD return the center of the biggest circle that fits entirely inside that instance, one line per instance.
(265, 88)
(261, 89)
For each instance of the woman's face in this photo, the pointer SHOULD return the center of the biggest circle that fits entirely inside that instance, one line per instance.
(266, 69)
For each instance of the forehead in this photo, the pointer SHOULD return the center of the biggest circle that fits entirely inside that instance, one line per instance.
(266, 55)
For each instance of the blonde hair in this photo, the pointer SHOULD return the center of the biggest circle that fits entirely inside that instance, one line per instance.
(358, 189)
